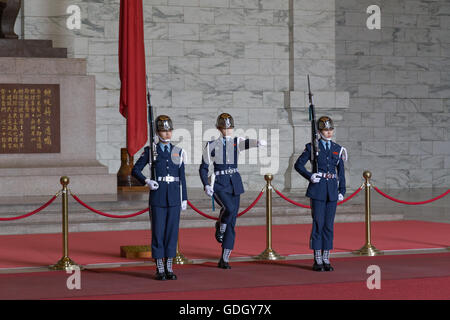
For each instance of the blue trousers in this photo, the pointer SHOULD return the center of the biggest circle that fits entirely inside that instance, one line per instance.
(229, 204)
(165, 223)
(323, 213)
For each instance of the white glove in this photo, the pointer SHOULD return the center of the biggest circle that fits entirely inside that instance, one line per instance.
(209, 190)
(262, 143)
(184, 205)
(315, 178)
(152, 184)
(340, 197)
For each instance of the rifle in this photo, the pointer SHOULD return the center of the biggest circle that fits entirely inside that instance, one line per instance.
(314, 134)
(152, 133)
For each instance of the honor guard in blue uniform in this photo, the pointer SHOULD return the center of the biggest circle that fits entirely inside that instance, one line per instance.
(325, 188)
(225, 183)
(168, 195)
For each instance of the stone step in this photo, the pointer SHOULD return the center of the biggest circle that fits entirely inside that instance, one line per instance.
(58, 169)
(80, 213)
(45, 179)
(131, 206)
(82, 219)
(144, 223)
(30, 48)
(138, 201)
(21, 43)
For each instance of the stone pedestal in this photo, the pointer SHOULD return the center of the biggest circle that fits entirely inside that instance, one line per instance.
(39, 173)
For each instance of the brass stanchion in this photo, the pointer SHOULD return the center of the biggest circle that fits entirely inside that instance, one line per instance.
(180, 258)
(269, 253)
(368, 249)
(65, 262)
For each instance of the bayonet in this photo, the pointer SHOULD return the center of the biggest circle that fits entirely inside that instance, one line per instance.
(152, 134)
(314, 134)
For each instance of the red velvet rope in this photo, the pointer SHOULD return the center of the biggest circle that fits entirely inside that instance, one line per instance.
(409, 202)
(33, 212)
(309, 207)
(291, 201)
(240, 214)
(146, 210)
(252, 204)
(200, 212)
(107, 214)
(351, 196)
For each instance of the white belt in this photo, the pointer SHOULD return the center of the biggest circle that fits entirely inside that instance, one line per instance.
(326, 175)
(227, 171)
(168, 179)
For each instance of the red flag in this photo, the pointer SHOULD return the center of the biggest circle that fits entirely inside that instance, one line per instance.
(132, 73)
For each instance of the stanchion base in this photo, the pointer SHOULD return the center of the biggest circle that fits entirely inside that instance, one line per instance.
(181, 259)
(136, 252)
(269, 254)
(368, 250)
(132, 189)
(65, 263)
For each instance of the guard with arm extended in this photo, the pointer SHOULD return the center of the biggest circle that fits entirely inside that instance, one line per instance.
(225, 184)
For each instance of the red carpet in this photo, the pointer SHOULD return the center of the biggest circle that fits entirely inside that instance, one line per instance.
(405, 289)
(417, 276)
(199, 243)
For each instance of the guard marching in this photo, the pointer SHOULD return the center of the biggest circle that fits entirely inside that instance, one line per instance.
(325, 188)
(168, 195)
(225, 183)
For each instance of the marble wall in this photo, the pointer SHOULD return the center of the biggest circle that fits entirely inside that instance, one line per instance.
(385, 89)
(399, 85)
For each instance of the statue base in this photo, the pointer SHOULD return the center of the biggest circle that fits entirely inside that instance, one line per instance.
(38, 174)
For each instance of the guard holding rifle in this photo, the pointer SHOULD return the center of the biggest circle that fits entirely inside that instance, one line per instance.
(225, 184)
(168, 195)
(326, 185)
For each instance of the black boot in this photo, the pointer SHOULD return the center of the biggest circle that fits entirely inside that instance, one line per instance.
(160, 275)
(170, 276)
(223, 262)
(318, 267)
(326, 260)
(224, 265)
(168, 269)
(327, 267)
(318, 263)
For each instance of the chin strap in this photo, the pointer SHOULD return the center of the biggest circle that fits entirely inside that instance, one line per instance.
(323, 137)
(163, 140)
(226, 137)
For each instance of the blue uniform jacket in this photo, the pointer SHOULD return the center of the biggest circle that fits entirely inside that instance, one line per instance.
(168, 194)
(327, 162)
(224, 156)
